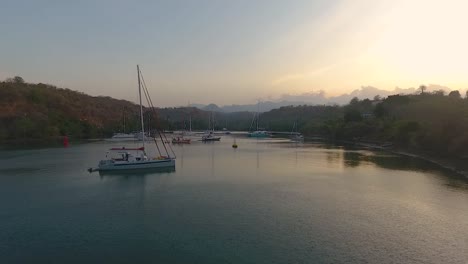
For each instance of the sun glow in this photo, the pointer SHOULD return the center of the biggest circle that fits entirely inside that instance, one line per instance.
(405, 43)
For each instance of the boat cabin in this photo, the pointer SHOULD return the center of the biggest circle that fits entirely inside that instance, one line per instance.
(126, 154)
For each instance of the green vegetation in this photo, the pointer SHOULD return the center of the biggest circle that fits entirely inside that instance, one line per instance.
(38, 111)
(41, 111)
(432, 123)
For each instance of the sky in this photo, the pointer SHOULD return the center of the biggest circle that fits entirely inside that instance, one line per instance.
(234, 52)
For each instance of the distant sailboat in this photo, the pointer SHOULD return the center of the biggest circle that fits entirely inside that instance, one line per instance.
(209, 134)
(189, 132)
(122, 136)
(225, 130)
(295, 135)
(257, 133)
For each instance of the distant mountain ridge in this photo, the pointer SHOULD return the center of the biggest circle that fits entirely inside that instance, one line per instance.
(315, 98)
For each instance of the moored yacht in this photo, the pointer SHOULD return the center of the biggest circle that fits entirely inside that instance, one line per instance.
(122, 137)
(136, 158)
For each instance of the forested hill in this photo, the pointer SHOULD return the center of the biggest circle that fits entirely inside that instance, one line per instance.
(42, 110)
(429, 122)
(432, 123)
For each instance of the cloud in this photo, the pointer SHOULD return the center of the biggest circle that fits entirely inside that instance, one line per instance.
(301, 76)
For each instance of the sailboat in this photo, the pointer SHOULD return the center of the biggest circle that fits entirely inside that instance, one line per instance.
(136, 158)
(209, 134)
(295, 135)
(122, 136)
(258, 133)
(185, 132)
(179, 136)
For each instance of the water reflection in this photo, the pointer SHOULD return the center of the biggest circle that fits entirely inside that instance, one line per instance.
(352, 159)
(334, 157)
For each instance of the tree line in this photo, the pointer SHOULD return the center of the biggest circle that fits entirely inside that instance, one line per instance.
(433, 123)
(429, 121)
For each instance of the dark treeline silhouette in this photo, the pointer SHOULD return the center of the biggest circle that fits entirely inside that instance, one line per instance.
(429, 122)
(432, 123)
(36, 111)
(40, 111)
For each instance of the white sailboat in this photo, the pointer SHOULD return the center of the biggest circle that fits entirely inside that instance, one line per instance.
(184, 132)
(209, 134)
(258, 133)
(118, 159)
(295, 135)
(190, 132)
(122, 136)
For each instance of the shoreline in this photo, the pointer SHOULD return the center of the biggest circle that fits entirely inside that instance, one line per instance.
(449, 165)
(441, 163)
(388, 147)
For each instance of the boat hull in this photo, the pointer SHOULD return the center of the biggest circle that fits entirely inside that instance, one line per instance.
(120, 139)
(211, 139)
(137, 165)
(259, 135)
(181, 142)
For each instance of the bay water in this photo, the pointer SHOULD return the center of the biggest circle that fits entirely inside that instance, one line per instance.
(268, 201)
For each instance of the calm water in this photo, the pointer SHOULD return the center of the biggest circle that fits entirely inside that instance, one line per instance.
(269, 201)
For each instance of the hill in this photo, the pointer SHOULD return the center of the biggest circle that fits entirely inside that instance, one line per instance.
(432, 123)
(318, 98)
(41, 111)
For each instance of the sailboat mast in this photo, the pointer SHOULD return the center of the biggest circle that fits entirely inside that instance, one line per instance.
(141, 107)
(124, 120)
(258, 114)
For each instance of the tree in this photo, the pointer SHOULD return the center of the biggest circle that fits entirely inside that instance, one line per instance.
(352, 115)
(380, 110)
(16, 79)
(422, 88)
(354, 101)
(439, 92)
(455, 94)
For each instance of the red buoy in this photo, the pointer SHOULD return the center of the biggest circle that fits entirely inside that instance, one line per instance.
(65, 141)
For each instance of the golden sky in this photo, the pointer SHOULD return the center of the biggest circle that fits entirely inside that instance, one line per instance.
(235, 52)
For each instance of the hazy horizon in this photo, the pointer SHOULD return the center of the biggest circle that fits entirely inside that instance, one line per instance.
(235, 52)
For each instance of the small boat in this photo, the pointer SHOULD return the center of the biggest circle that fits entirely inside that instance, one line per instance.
(210, 137)
(122, 137)
(132, 159)
(295, 135)
(259, 134)
(181, 140)
(122, 158)
(139, 136)
(210, 133)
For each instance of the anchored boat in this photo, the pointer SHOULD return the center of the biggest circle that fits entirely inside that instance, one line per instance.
(258, 132)
(132, 159)
(181, 140)
(136, 158)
